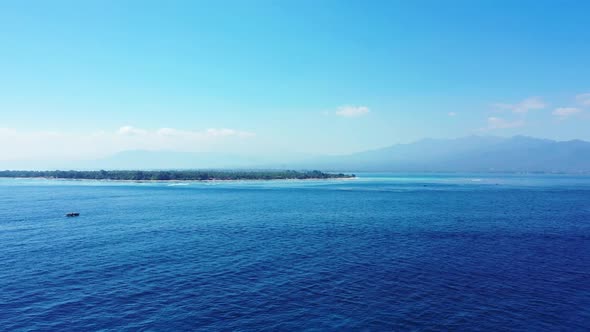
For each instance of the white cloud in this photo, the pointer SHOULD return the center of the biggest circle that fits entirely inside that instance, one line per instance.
(131, 131)
(4, 132)
(565, 112)
(499, 123)
(349, 111)
(31, 145)
(224, 132)
(583, 99)
(532, 103)
(169, 132)
(211, 132)
(451, 114)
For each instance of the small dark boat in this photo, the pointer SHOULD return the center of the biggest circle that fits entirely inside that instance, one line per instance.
(72, 214)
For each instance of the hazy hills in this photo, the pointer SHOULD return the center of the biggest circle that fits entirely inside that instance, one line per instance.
(470, 154)
(467, 154)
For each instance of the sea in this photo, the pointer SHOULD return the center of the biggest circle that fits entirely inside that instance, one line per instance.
(382, 252)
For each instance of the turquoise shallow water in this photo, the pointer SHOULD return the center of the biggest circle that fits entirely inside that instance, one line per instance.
(382, 252)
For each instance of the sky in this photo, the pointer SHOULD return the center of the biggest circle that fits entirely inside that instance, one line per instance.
(86, 79)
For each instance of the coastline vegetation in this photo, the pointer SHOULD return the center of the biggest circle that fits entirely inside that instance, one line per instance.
(175, 175)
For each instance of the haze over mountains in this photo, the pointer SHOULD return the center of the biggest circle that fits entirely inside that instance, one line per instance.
(467, 154)
(470, 154)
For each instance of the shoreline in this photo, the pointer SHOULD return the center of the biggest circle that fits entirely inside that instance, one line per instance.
(181, 181)
(174, 175)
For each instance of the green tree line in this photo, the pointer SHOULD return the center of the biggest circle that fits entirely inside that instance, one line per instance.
(201, 175)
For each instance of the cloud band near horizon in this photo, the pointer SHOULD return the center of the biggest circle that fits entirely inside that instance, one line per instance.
(33, 145)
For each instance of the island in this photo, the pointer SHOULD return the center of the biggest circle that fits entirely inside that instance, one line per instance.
(176, 175)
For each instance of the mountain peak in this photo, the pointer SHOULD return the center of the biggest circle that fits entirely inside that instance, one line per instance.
(472, 154)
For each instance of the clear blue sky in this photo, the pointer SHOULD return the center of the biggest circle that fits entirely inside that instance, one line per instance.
(288, 76)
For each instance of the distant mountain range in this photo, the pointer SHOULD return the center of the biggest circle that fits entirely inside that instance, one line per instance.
(467, 154)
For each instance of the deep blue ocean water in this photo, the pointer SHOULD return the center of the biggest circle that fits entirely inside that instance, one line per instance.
(380, 253)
